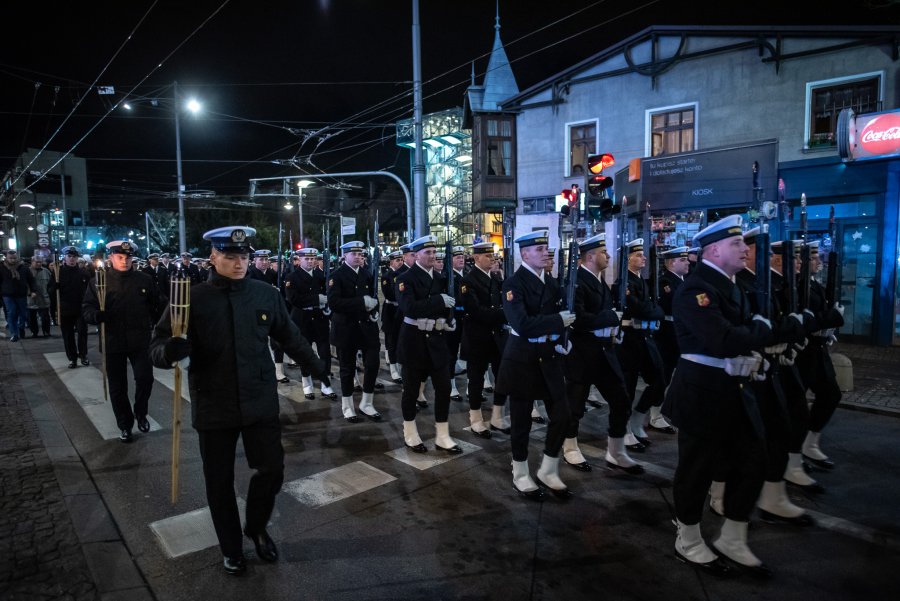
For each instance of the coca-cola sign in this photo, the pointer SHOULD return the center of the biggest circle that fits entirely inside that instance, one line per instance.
(869, 136)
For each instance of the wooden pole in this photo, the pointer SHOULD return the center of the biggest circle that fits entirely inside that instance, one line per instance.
(101, 296)
(179, 312)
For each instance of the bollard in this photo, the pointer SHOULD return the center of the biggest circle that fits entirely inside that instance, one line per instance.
(843, 370)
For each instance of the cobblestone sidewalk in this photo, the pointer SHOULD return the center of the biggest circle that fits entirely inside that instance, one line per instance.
(40, 554)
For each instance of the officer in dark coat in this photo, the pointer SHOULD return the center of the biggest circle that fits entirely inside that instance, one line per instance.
(712, 404)
(261, 272)
(815, 366)
(72, 284)
(532, 364)
(456, 262)
(160, 276)
(428, 315)
(233, 389)
(185, 268)
(484, 337)
(305, 291)
(132, 299)
(676, 267)
(389, 324)
(638, 352)
(593, 360)
(354, 327)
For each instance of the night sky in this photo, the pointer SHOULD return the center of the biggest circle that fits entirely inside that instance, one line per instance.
(262, 67)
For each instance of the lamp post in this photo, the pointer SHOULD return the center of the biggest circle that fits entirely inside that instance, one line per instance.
(302, 185)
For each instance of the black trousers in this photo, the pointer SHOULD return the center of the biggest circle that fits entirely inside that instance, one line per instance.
(737, 458)
(640, 357)
(475, 369)
(412, 380)
(322, 341)
(70, 326)
(798, 409)
(262, 446)
(117, 374)
(773, 409)
(818, 375)
(391, 331)
(611, 386)
(44, 315)
(347, 362)
(520, 425)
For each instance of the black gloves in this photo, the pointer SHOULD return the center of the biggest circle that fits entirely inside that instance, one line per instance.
(177, 349)
(100, 317)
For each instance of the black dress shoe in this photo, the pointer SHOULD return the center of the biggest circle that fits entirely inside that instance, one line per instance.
(34, 335)
(584, 466)
(73, 364)
(284, 380)
(803, 520)
(762, 571)
(718, 567)
(482, 434)
(234, 566)
(84, 361)
(397, 380)
(353, 419)
(488, 389)
(563, 493)
(379, 386)
(815, 489)
(417, 448)
(143, 424)
(644, 440)
(14, 339)
(357, 388)
(538, 419)
(331, 396)
(595, 404)
(455, 397)
(375, 417)
(634, 470)
(664, 430)
(309, 396)
(265, 546)
(422, 404)
(636, 448)
(534, 495)
(125, 436)
(825, 464)
(454, 450)
(504, 430)
(292, 364)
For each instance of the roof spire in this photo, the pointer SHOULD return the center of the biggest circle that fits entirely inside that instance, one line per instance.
(497, 19)
(473, 73)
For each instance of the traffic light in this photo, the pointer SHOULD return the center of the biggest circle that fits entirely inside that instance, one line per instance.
(596, 184)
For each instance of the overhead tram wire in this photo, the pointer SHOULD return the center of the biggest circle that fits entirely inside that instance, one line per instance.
(83, 96)
(116, 105)
(37, 86)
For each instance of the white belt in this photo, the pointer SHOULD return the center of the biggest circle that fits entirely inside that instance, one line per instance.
(427, 325)
(539, 339)
(641, 324)
(670, 318)
(705, 360)
(606, 332)
(743, 366)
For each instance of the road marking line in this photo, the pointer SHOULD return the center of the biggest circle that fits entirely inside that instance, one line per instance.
(336, 484)
(434, 456)
(188, 532)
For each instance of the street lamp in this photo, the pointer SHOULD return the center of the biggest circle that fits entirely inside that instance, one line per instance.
(302, 185)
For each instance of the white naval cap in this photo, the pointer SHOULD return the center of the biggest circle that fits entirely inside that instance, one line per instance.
(533, 238)
(422, 243)
(307, 252)
(231, 238)
(635, 246)
(675, 253)
(721, 229)
(593, 242)
(121, 247)
(482, 248)
(353, 246)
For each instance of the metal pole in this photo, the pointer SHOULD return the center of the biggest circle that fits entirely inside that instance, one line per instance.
(182, 243)
(65, 214)
(341, 226)
(147, 229)
(300, 216)
(419, 158)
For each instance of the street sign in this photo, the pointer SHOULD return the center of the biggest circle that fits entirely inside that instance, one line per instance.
(43, 241)
(42, 228)
(348, 225)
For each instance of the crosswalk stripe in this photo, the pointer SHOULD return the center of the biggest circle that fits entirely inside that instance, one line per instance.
(434, 456)
(86, 385)
(188, 532)
(166, 377)
(336, 484)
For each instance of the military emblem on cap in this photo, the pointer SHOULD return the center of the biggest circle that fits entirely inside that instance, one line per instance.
(424, 242)
(533, 238)
(593, 242)
(121, 247)
(232, 238)
(459, 250)
(635, 246)
(307, 252)
(353, 246)
(263, 253)
(675, 253)
(395, 254)
(721, 229)
(71, 250)
(440, 255)
(482, 248)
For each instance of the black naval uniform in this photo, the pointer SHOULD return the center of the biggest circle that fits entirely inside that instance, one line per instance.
(352, 328)
(190, 271)
(423, 353)
(132, 300)
(485, 332)
(269, 276)
(638, 352)
(390, 312)
(593, 359)
(160, 277)
(303, 289)
(720, 431)
(72, 284)
(454, 338)
(234, 393)
(531, 368)
(666, 341)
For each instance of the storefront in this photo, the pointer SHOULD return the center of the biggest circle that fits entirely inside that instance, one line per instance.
(851, 206)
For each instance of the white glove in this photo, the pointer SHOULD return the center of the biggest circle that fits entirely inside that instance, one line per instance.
(620, 336)
(764, 320)
(760, 374)
(801, 345)
(374, 317)
(449, 301)
(839, 308)
(798, 317)
(786, 360)
(832, 338)
(810, 313)
(323, 300)
(371, 303)
(776, 349)
(619, 314)
(563, 351)
(450, 326)
(184, 364)
(568, 318)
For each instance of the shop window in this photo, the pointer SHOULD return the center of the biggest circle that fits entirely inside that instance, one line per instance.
(498, 142)
(582, 143)
(826, 99)
(672, 131)
(541, 204)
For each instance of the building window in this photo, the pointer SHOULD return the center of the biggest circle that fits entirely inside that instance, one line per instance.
(672, 131)
(499, 147)
(826, 99)
(582, 143)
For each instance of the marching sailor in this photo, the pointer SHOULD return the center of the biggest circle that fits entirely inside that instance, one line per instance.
(389, 324)
(677, 266)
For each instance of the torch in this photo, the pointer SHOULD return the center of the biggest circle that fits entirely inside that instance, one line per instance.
(179, 312)
(101, 296)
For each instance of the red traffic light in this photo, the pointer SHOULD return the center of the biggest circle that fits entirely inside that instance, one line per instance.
(598, 183)
(299, 245)
(571, 196)
(599, 162)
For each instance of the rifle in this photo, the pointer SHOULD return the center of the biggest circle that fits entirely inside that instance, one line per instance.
(448, 262)
(803, 295)
(790, 280)
(376, 270)
(833, 262)
(763, 244)
(280, 258)
(571, 279)
(654, 274)
(621, 298)
(508, 261)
